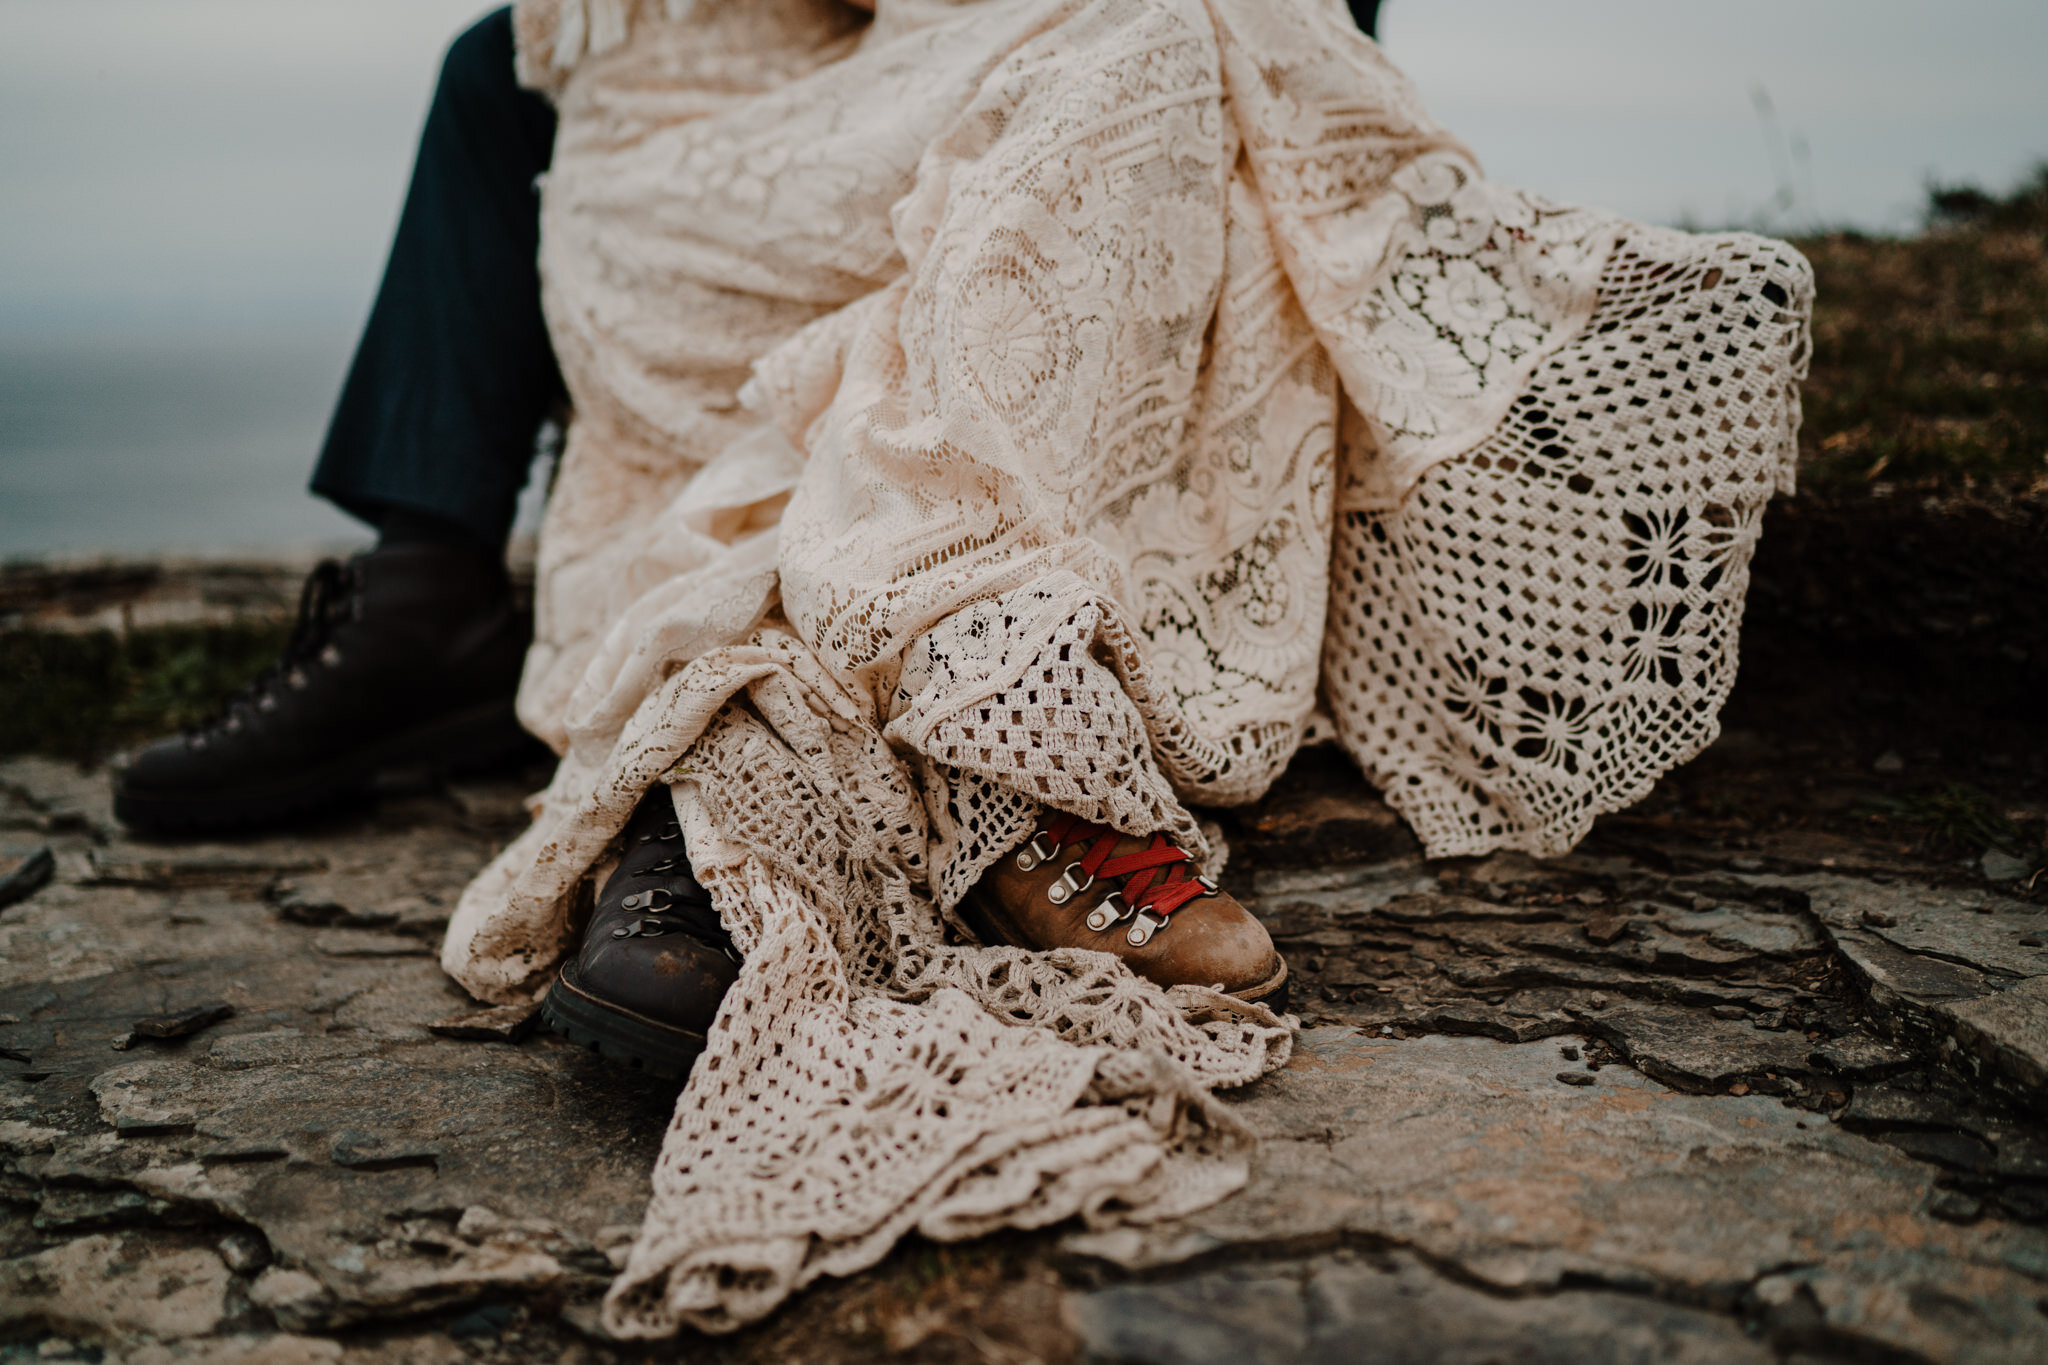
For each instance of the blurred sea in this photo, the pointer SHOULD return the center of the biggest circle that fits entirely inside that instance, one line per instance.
(134, 445)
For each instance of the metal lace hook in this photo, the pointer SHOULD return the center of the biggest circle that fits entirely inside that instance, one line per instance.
(1066, 888)
(1113, 908)
(1033, 853)
(1143, 927)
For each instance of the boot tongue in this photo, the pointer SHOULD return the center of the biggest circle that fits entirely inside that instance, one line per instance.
(700, 921)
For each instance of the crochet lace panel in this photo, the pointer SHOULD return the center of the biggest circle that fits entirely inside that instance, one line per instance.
(1023, 403)
(1547, 624)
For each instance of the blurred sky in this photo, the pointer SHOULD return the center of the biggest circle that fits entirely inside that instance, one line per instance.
(197, 195)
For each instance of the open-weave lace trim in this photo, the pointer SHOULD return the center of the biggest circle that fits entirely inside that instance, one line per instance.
(1549, 623)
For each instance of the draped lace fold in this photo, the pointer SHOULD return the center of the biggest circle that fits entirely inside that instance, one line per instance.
(1021, 403)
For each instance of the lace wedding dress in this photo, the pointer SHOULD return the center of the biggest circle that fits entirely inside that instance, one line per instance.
(1007, 403)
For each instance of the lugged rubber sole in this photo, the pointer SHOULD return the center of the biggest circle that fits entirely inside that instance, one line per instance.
(642, 1043)
(1272, 993)
(463, 741)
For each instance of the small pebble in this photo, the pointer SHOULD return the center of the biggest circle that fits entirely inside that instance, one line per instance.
(244, 1252)
(1956, 1207)
(1570, 1054)
(1598, 1002)
(2003, 867)
(1575, 1078)
(488, 1321)
(21, 876)
(184, 1023)
(1738, 1089)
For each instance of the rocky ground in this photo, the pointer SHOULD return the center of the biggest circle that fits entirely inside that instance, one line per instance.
(1760, 1073)
(1714, 1088)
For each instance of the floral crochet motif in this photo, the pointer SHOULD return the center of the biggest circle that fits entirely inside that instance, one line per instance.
(1006, 406)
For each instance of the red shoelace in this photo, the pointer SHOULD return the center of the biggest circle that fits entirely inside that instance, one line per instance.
(1167, 885)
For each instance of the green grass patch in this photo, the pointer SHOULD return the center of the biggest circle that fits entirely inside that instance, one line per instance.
(81, 696)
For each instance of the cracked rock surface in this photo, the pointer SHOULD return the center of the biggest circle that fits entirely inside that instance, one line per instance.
(1687, 1094)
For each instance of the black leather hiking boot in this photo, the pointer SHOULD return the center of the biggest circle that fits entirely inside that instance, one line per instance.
(403, 657)
(644, 985)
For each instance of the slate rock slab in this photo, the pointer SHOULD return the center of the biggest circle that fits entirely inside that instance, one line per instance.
(1960, 968)
(1468, 1151)
(117, 1288)
(1392, 1310)
(2007, 1032)
(500, 1024)
(1530, 1121)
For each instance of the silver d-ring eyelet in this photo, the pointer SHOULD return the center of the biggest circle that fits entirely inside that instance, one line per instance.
(1143, 927)
(1034, 853)
(1113, 908)
(1066, 888)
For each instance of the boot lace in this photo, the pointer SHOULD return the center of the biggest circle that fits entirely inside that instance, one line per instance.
(1156, 880)
(327, 599)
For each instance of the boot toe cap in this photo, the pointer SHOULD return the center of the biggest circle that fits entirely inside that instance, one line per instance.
(1216, 943)
(674, 980)
(165, 765)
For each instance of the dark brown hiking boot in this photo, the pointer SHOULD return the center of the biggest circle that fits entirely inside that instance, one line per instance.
(405, 657)
(1082, 885)
(644, 985)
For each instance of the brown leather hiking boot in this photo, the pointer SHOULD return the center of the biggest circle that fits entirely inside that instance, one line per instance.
(1080, 885)
(645, 983)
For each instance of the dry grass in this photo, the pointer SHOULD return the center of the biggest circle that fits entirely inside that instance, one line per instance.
(1930, 366)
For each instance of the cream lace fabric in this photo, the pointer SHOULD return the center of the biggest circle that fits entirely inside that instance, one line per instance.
(1009, 403)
